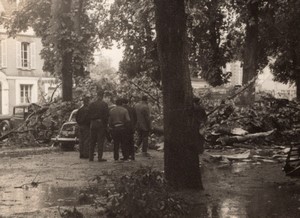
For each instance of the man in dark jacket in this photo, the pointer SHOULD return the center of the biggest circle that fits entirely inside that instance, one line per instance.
(130, 128)
(118, 118)
(143, 125)
(98, 113)
(82, 118)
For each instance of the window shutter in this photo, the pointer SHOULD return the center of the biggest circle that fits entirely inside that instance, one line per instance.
(32, 55)
(4, 53)
(18, 55)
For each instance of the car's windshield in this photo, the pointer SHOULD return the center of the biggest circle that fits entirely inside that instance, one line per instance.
(19, 111)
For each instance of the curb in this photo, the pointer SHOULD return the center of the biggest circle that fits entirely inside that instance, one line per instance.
(21, 152)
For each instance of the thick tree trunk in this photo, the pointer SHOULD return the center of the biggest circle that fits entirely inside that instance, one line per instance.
(60, 22)
(250, 56)
(298, 88)
(66, 69)
(296, 63)
(180, 155)
(78, 7)
(67, 77)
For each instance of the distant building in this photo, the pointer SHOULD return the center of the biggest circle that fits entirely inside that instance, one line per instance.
(236, 70)
(266, 83)
(22, 79)
(199, 83)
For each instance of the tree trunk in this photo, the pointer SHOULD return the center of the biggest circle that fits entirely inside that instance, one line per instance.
(78, 7)
(296, 63)
(181, 160)
(67, 77)
(250, 56)
(60, 22)
(298, 88)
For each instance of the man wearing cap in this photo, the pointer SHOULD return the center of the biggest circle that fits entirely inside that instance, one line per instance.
(118, 118)
(98, 113)
(143, 125)
(82, 118)
(130, 128)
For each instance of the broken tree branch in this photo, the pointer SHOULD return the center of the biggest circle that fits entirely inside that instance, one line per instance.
(234, 95)
(51, 99)
(148, 93)
(233, 139)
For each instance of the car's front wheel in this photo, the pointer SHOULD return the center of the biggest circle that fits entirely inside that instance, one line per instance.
(4, 127)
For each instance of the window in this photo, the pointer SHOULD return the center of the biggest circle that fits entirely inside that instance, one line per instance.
(25, 55)
(3, 51)
(25, 95)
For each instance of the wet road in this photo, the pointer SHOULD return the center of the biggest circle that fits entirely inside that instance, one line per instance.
(30, 199)
(241, 189)
(248, 190)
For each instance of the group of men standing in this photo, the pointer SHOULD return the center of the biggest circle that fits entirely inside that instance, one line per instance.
(98, 121)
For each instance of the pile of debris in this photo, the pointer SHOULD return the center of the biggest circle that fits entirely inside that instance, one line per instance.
(38, 128)
(270, 118)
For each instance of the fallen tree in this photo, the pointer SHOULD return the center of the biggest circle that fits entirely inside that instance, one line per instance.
(227, 140)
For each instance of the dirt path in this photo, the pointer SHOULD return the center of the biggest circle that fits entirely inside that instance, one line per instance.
(238, 189)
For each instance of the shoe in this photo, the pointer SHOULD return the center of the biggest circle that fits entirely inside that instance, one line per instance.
(91, 160)
(102, 160)
(124, 159)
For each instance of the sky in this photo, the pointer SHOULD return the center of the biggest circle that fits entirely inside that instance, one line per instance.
(114, 54)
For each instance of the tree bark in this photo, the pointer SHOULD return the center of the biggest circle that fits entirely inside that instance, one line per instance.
(181, 160)
(296, 63)
(250, 56)
(298, 87)
(61, 21)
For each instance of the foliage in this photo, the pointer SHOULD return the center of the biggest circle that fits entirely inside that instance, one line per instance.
(144, 193)
(132, 24)
(68, 31)
(70, 214)
(210, 48)
(43, 125)
(283, 34)
(265, 115)
(38, 15)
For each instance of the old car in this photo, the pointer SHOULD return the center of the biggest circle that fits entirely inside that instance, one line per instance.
(68, 133)
(20, 114)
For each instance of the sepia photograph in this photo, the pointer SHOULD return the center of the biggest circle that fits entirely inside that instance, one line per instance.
(149, 108)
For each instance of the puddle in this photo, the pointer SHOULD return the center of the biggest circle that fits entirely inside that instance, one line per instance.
(276, 202)
(17, 200)
(240, 167)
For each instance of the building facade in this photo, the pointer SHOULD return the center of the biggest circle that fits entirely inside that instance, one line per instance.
(22, 79)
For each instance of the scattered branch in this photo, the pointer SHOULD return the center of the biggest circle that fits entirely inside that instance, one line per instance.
(148, 93)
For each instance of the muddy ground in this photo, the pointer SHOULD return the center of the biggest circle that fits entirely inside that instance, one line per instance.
(232, 189)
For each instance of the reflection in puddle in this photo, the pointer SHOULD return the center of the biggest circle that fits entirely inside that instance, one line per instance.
(233, 208)
(260, 202)
(28, 200)
(240, 167)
